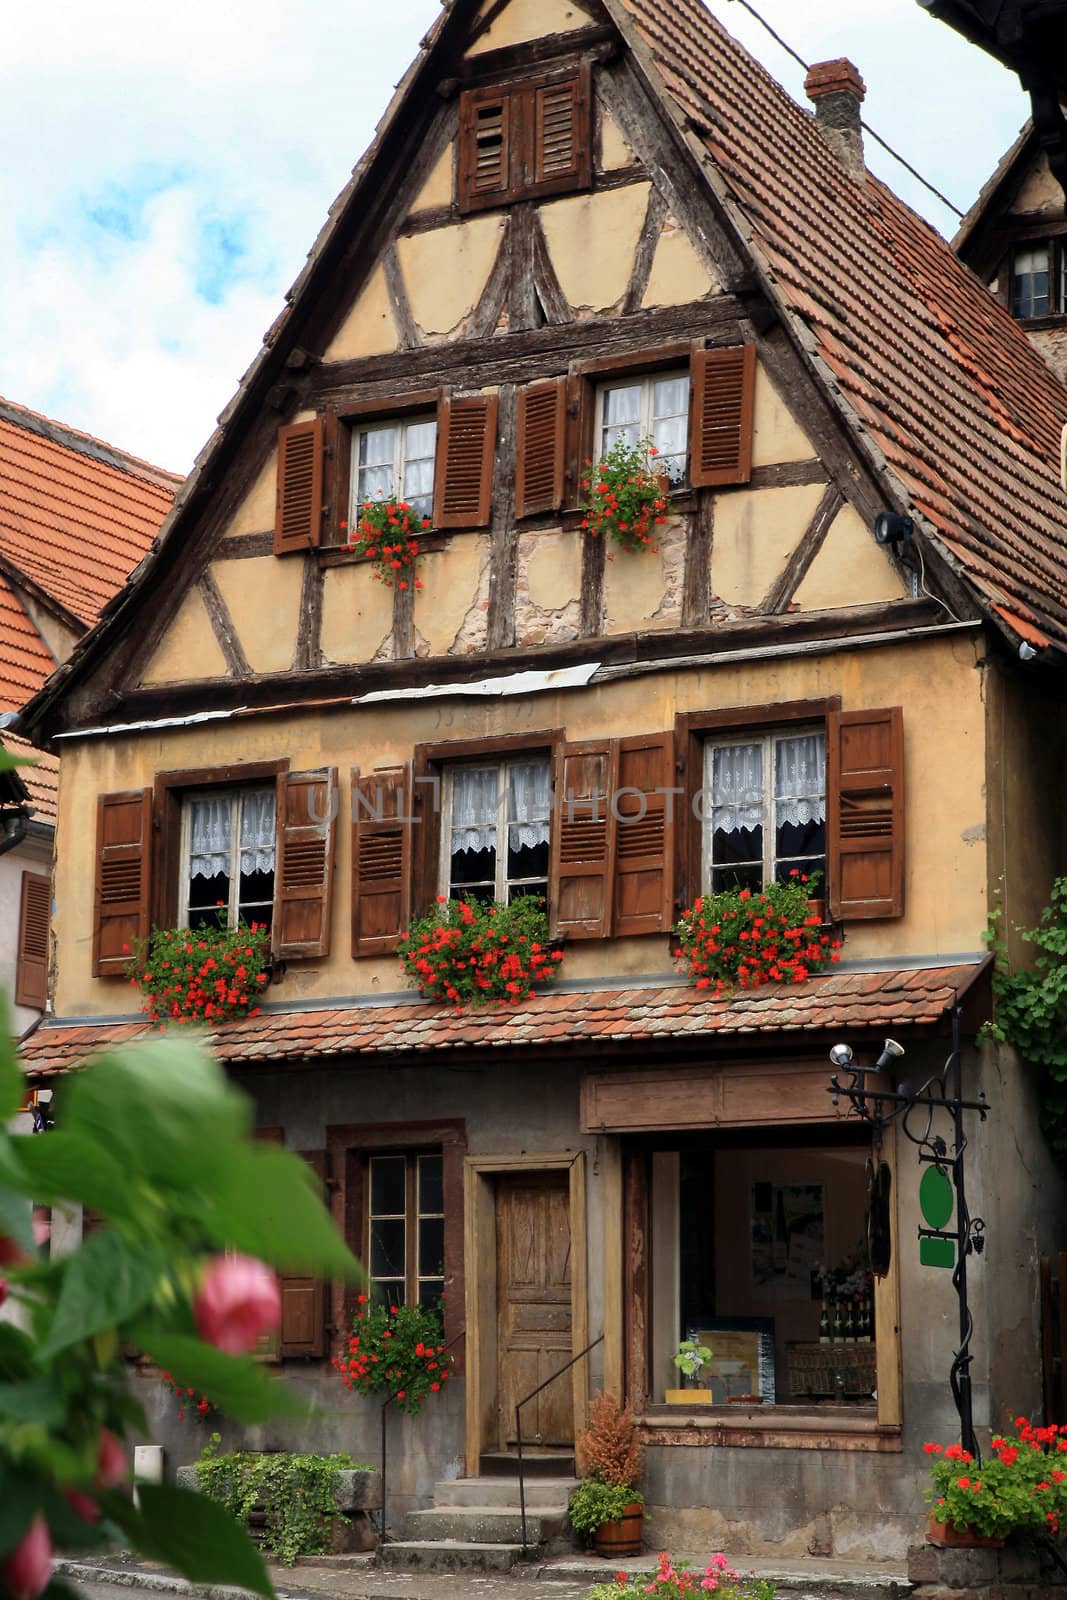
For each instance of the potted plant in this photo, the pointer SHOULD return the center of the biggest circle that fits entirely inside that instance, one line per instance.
(689, 1358)
(607, 1505)
(1021, 1488)
(745, 939)
(396, 1350)
(207, 975)
(385, 534)
(470, 954)
(625, 497)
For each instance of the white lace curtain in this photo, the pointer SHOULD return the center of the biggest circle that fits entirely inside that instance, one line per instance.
(737, 787)
(474, 806)
(211, 834)
(530, 804)
(737, 782)
(800, 779)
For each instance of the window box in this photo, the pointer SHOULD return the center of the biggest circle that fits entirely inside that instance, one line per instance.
(211, 973)
(469, 953)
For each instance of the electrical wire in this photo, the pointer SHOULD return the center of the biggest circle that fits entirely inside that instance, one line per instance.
(877, 137)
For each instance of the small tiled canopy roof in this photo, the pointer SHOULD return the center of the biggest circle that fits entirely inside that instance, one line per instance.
(611, 1018)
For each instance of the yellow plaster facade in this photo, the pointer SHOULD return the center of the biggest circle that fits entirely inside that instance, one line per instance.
(357, 614)
(263, 599)
(776, 434)
(756, 531)
(553, 569)
(255, 514)
(523, 20)
(614, 148)
(678, 275)
(368, 329)
(440, 185)
(445, 271)
(455, 581)
(592, 239)
(849, 570)
(189, 650)
(1039, 190)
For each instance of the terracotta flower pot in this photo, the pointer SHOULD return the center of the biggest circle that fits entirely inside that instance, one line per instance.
(817, 908)
(946, 1537)
(622, 1538)
(663, 483)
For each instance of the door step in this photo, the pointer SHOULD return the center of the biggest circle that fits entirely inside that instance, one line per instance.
(504, 1492)
(484, 1524)
(535, 1464)
(450, 1555)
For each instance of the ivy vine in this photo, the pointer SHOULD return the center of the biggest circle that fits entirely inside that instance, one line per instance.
(1031, 1010)
(297, 1493)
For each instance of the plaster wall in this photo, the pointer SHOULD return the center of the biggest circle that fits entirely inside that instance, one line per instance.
(189, 649)
(368, 329)
(255, 514)
(849, 570)
(440, 185)
(445, 271)
(756, 531)
(1051, 344)
(1039, 190)
(678, 275)
(263, 598)
(937, 682)
(592, 239)
(523, 20)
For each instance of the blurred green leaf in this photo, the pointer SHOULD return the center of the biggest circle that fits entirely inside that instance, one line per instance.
(63, 1166)
(12, 1081)
(34, 1400)
(192, 1533)
(16, 1352)
(267, 1204)
(237, 1385)
(105, 1283)
(19, 1501)
(16, 1212)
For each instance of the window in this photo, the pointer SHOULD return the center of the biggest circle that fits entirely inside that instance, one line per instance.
(406, 1221)
(655, 408)
(228, 856)
(764, 809)
(1039, 279)
(521, 140)
(496, 835)
(394, 459)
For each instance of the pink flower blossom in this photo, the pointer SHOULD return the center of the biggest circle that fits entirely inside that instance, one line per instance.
(82, 1505)
(28, 1568)
(111, 1465)
(238, 1302)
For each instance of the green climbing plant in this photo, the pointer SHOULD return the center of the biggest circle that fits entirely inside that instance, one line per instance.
(298, 1494)
(1030, 1009)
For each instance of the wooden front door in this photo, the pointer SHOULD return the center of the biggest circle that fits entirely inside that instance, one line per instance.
(533, 1243)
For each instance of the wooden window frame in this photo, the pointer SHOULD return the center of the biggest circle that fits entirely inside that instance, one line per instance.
(1056, 245)
(767, 737)
(412, 1216)
(586, 381)
(342, 426)
(646, 380)
(220, 791)
(350, 1145)
(517, 97)
(500, 765)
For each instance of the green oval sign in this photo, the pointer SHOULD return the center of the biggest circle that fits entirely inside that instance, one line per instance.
(935, 1197)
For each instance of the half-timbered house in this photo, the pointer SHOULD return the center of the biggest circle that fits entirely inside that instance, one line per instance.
(581, 217)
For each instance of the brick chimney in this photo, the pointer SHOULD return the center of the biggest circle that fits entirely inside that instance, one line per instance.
(836, 90)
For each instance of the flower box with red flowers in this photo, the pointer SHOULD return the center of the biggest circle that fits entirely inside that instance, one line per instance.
(625, 498)
(207, 975)
(743, 938)
(387, 534)
(1021, 1487)
(469, 953)
(395, 1350)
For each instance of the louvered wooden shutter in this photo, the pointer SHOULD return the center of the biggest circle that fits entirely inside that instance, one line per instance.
(298, 503)
(466, 445)
(303, 1330)
(35, 912)
(865, 813)
(381, 859)
(644, 835)
(720, 425)
(560, 120)
(539, 464)
(303, 893)
(123, 856)
(485, 148)
(583, 839)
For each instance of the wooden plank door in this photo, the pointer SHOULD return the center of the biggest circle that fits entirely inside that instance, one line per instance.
(533, 1237)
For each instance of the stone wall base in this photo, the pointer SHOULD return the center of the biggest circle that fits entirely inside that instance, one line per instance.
(1018, 1572)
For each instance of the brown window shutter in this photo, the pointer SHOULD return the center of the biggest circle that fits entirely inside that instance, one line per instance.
(381, 859)
(560, 118)
(865, 813)
(123, 858)
(298, 504)
(466, 446)
(644, 834)
(539, 465)
(720, 423)
(583, 840)
(303, 888)
(35, 913)
(485, 148)
(303, 1329)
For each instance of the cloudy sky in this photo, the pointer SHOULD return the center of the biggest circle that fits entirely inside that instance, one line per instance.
(167, 167)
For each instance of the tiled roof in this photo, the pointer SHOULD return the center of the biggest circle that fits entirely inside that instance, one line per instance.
(25, 659)
(945, 385)
(41, 779)
(76, 515)
(916, 997)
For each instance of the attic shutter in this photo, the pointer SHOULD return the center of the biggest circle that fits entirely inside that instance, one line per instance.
(31, 972)
(466, 445)
(583, 840)
(298, 504)
(865, 813)
(560, 121)
(381, 859)
(303, 894)
(303, 1330)
(539, 467)
(644, 834)
(720, 425)
(485, 144)
(123, 855)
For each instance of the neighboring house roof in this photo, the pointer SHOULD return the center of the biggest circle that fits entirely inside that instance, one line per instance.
(848, 1001)
(999, 187)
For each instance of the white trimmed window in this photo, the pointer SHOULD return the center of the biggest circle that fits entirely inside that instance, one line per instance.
(407, 1228)
(656, 408)
(495, 830)
(394, 460)
(764, 809)
(228, 856)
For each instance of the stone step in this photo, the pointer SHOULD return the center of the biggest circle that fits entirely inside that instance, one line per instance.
(486, 1524)
(547, 1492)
(536, 1464)
(450, 1555)
(803, 1580)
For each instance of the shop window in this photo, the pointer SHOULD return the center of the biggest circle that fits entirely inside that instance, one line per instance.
(228, 857)
(764, 809)
(495, 841)
(406, 1228)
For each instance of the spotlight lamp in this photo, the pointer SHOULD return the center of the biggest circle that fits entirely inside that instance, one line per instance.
(841, 1055)
(891, 1051)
